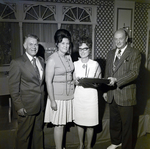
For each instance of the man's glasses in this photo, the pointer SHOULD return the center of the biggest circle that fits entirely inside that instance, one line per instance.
(84, 49)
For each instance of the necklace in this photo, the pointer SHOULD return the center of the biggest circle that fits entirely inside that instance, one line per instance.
(67, 82)
(85, 66)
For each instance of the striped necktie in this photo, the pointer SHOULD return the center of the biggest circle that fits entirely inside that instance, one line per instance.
(36, 68)
(118, 56)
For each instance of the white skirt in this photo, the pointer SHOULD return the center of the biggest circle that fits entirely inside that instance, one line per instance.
(63, 115)
(85, 106)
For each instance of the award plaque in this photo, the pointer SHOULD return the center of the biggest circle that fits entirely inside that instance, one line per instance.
(92, 82)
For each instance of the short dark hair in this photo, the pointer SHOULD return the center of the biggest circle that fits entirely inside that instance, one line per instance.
(60, 34)
(31, 36)
(86, 40)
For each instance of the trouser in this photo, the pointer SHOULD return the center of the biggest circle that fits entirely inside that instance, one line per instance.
(30, 132)
(121, 118)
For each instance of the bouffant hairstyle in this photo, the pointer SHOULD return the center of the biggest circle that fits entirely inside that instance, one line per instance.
(60, 34)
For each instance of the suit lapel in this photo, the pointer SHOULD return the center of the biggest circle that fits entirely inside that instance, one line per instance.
(112, 60)
(27, 64)
(29, 67)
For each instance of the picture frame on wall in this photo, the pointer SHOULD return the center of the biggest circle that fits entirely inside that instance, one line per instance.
(124, 17)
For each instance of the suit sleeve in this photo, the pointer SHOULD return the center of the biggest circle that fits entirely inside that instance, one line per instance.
(106, 88)
(14, 84)
(133, 72)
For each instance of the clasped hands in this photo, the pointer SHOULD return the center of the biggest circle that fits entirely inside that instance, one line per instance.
(112, 81)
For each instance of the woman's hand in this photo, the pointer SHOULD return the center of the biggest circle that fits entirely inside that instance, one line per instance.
(76, 82)
(54, 105)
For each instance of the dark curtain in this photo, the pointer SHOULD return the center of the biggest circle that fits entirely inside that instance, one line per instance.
(45, 32)
(9, 42)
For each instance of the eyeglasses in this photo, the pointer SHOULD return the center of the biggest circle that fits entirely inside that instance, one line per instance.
(84, 49)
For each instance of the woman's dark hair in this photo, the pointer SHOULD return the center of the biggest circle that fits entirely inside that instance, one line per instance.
(86, 40)
(60, 34)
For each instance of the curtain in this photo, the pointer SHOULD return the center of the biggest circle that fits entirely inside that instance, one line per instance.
(15, 38)
(9, 42)
(45, 32)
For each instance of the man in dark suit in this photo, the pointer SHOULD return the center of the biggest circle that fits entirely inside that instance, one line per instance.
(26, 85)
(122, 68)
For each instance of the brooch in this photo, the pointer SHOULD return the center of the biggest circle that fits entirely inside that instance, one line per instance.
(84, 66)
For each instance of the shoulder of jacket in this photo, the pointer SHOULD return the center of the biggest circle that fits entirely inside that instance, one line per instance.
(111, 52)
(134, 50)
(20, 58)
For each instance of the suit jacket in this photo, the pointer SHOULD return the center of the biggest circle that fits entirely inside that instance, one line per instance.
(126, 72)
(26, 90)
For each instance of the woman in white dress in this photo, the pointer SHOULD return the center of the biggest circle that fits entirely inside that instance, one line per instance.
(85, 99)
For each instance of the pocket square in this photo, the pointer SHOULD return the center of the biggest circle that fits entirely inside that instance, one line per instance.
(126, 60)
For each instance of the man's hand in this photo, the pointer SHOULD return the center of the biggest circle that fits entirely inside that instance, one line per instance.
(22, 112)
(112, 81)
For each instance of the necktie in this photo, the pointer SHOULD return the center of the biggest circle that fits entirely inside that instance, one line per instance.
(36, 68)
(118, 56)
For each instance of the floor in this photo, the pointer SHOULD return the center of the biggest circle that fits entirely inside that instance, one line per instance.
(8, 130)
(142, 143)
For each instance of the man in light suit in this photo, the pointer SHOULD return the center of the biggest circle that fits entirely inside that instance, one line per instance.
(122, 68)
(26, 85)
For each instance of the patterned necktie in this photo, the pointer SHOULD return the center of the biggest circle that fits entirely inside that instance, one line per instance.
(36, 68)
(118, 56)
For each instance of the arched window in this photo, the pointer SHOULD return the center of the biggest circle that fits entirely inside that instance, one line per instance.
(39, 12)
(7, 11)
(77, 14)
(43, 19)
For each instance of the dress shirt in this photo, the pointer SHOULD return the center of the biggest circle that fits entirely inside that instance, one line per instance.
(122, 51)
